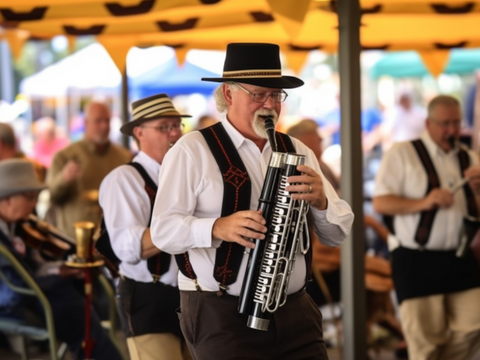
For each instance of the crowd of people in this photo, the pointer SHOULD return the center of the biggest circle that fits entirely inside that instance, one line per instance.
(189, 218)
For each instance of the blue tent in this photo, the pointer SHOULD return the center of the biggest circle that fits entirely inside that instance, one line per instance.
(409, 64)
(172, 80)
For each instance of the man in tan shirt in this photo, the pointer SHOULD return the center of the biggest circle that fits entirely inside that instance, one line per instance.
(77, 171)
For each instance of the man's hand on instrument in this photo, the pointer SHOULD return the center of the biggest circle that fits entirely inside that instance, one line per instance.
(439, 197)
(308, 186)
(240, 226)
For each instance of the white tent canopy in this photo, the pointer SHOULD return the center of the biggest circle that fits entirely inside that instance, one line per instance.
(89, 68)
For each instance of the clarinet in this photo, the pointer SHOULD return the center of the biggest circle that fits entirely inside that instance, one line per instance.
(270, 263)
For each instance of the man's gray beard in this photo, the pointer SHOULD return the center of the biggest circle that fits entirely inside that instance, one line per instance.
(259, 126)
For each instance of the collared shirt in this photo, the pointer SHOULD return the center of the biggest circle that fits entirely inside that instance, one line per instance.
(126, 207)
(402, 174)
(189, 201)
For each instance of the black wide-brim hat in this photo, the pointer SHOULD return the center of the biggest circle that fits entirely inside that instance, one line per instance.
(256, 64)
(148, 109)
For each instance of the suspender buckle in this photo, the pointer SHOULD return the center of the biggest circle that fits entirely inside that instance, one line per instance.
(197, 286)
(222, 289)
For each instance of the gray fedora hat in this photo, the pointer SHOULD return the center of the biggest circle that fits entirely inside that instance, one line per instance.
(17, 176)
(148, 109)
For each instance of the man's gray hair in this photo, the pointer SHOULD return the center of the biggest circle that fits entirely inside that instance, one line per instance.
(222, 105)
(445, 100)
(7, 135)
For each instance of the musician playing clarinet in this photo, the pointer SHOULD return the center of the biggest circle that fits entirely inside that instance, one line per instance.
(19, 189)
(207, 212)
(428, 187)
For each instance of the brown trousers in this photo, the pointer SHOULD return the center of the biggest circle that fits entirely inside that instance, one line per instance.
(445, 326)
(214, 330)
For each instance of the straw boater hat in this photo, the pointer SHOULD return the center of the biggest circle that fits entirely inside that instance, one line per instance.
(148, 109)
(255, 64)
(17, 176)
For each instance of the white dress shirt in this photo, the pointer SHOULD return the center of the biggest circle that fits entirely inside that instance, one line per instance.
(403, 174)
(190, 197)
(126, 207)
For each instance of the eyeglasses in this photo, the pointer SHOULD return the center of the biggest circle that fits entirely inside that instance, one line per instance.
(446, 124)
(277, 97)
(165, 129)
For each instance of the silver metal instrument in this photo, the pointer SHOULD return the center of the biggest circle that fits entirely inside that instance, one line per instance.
(272, 261)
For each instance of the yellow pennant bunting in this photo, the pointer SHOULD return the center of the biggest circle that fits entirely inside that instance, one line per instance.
(117, 48)
(435, 60)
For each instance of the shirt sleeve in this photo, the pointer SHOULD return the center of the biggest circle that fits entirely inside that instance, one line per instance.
(390, 175)
(126, 209)
(333, 224)
(177, 225)
(60, 190)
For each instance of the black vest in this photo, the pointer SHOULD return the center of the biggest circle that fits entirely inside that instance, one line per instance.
(236, 197)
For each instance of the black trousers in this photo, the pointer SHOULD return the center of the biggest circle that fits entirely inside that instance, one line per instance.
(148, 308)
(214, 330)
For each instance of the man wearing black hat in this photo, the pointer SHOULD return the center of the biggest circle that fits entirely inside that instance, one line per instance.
(191, 218)
(19, 189)
(148, 286)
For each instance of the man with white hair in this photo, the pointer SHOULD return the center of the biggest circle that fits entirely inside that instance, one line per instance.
(190, 217)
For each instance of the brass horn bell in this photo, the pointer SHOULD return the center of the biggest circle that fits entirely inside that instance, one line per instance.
(84, 235)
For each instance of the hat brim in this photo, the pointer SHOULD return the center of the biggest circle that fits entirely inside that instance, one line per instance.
(10, 192)
(284, 82)
(127, 129)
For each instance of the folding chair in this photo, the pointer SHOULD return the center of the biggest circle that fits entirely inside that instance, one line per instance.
(17, 327)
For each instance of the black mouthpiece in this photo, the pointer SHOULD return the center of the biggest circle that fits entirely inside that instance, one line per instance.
(270, 128)
(451, 141)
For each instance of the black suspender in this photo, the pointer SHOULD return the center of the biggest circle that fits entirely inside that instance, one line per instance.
(157, 264)
(236, 197)
(427, 217)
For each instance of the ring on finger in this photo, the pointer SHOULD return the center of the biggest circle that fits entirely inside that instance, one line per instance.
(309, 189)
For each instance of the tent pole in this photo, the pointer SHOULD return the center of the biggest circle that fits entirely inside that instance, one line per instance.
(124, 105)
(353, 249)
(7, 91)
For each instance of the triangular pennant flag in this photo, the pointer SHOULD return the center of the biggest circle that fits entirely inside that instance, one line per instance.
(16, 39)
(181, 53)
(117, 48)
(290, 14)
(296, 60)
(435, 60)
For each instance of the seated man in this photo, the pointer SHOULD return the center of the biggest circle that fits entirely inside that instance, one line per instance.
(19, 190)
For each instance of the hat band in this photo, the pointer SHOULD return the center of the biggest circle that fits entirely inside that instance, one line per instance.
(253, 74)
(154, 110)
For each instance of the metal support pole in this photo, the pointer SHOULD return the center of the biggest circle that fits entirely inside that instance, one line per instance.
(124, 105)
(7, 92)
(353, 249)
